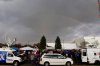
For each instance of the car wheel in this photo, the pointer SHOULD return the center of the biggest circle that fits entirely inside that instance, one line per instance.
(16, 63)
(68, 64)
(97, 62)
(46, 64)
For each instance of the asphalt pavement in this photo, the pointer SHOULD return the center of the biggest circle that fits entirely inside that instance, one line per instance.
(27, 64)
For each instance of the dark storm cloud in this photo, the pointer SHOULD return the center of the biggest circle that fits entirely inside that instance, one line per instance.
(28, 20)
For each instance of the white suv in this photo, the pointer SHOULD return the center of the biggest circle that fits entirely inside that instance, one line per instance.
(55, 59)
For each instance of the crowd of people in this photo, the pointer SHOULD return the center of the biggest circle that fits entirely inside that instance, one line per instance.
(34, 56)
(31, 56)
(74, 54)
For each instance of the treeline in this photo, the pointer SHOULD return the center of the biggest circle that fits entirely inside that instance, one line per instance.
(41, 45)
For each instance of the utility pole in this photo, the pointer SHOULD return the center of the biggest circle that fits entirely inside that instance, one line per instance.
(99, 6)
(63, 44)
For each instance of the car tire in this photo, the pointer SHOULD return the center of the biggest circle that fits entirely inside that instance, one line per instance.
(68, 63)
(16, 63)
(46, 64)
(97, 62)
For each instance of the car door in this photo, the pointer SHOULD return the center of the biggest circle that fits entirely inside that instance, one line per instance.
(84, 55)
(53, 60)
(10, 58)
(61, 60)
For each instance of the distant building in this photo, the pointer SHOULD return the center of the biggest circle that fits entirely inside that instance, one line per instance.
(68, 46)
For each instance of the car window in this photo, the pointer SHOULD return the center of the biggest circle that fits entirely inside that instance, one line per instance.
(84, 54)
(51, 56)
(46, 56)
(10, 55)
(61, 57)
(54, 56)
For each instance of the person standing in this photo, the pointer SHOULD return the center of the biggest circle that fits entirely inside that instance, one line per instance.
(32, 57)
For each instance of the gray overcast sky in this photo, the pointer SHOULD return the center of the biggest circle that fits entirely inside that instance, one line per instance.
(28, 20)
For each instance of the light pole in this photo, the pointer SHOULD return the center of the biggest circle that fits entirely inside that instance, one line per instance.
(63, 44)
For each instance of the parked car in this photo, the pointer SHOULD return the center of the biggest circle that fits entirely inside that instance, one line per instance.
(7, 56)
(55, 59)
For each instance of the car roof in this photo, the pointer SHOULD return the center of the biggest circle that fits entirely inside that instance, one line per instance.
(7, 49)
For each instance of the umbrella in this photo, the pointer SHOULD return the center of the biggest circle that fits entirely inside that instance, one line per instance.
(27, 48)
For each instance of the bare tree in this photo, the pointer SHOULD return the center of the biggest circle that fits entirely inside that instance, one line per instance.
(10, 41)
